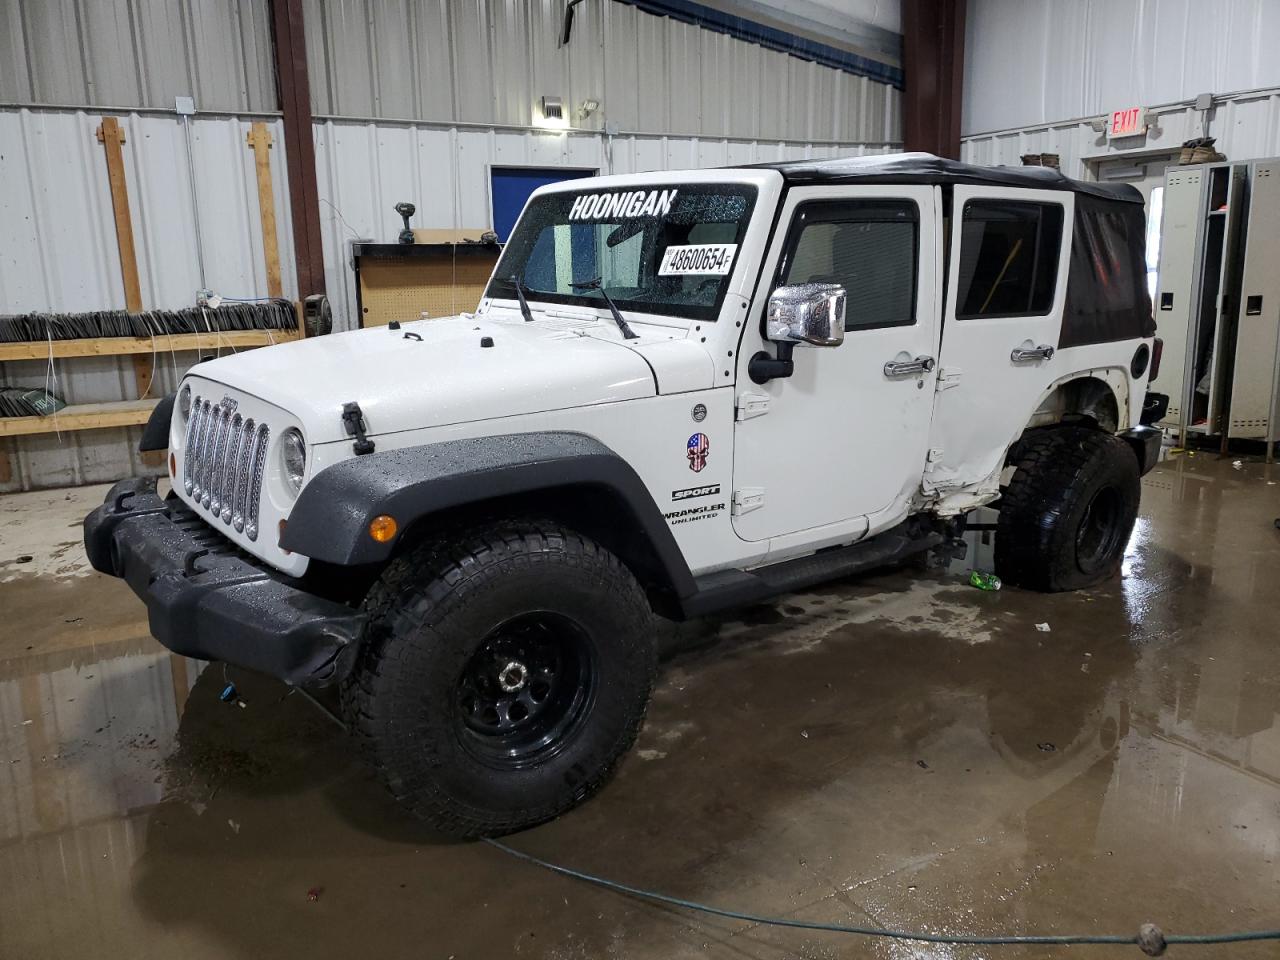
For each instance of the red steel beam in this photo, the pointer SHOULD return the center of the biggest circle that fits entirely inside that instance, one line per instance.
(933, 64)
(294, 88)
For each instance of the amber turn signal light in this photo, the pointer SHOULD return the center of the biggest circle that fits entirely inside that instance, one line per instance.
(382, 528)
(173, 466)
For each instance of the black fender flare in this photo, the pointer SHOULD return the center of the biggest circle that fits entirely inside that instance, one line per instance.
(330, 521)
(155, 435)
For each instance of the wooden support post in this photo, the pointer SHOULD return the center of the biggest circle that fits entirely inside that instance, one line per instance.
(143, 374)
(112, 138)
(259, 139)
(143, 377)
(299, 143)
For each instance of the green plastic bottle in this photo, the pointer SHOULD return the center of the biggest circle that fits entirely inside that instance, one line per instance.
(984, 581)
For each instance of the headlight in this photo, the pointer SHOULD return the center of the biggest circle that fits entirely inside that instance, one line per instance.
(293, 455)
(184, 403)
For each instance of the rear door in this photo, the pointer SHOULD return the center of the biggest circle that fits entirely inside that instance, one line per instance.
(1006, 282)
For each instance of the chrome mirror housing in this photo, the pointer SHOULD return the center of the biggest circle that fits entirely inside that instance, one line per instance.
(807, 313)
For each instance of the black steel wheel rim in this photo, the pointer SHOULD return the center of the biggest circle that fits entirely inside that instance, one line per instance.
(526, 690)
(1097, 539)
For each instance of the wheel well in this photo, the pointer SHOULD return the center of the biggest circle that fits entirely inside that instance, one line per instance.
(596, 511)
(1084, 398)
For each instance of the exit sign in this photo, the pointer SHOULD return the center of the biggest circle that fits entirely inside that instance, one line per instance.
(1127, 122)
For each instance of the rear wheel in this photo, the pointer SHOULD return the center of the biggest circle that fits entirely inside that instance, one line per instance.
(502, 675)
(1066, 515)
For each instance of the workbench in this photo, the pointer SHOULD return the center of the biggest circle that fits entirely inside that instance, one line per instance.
(399, 281)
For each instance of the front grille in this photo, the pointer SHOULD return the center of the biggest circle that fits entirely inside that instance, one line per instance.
(222, 468)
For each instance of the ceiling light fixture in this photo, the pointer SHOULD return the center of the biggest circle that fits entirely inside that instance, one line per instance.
(553, 114)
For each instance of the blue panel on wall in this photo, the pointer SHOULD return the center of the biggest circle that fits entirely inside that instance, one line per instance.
(512, 186)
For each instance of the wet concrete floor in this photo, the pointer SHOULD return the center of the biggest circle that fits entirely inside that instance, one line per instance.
(901, 750)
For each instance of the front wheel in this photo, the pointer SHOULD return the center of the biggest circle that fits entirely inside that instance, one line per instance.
(502, 676)
(1066, 515)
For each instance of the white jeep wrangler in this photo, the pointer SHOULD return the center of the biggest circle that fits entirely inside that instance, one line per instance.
(682, 392)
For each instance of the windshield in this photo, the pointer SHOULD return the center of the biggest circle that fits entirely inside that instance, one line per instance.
(667, 249)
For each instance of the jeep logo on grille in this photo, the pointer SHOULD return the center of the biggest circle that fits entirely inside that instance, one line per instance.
(229, 405)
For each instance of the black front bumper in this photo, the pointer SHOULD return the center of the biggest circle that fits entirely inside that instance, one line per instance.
(207, 599)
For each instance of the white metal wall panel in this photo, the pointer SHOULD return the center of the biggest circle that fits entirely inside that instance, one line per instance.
(1246, 127)
(1031, 62)
(469, 61)
(58, 249)
(388, 59)
(58, 254)
(137, 53)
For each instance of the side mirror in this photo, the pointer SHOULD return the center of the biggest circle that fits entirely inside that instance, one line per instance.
(807, 313)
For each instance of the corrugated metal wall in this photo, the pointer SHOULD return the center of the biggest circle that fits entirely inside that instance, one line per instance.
(1033, 63)
(58, 253)
(58, 245)
(431, 93)
(490, 61)
(137, 53)
(1246, 126)
(472, 61)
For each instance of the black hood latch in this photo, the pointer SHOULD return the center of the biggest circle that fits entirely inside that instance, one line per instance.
(353, 423)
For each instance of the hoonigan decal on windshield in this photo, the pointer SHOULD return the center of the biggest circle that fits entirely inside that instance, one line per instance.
(622, 206)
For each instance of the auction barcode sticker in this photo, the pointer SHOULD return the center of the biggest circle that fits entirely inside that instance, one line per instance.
(712, 258)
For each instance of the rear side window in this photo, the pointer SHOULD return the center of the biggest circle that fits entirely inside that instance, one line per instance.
(1008, 258)
(868, 246)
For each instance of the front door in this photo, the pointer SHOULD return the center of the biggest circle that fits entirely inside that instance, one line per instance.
(844, 438)
(1008, 271)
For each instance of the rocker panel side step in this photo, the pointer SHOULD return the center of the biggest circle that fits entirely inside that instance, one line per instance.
(734, 588)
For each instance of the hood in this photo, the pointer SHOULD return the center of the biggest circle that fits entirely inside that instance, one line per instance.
(403, 383)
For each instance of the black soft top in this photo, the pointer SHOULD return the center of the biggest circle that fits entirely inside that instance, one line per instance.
(926, 168)
(1106, 297)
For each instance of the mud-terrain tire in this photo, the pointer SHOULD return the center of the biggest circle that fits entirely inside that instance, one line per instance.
(1066, 515)
(504, 672)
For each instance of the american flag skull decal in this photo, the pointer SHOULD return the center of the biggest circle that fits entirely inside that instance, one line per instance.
(699, 447)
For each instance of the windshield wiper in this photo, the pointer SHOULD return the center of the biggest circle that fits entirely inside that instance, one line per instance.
(598, 284)
(524, 304)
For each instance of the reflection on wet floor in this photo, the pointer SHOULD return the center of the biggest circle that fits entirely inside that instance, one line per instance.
(900, 750)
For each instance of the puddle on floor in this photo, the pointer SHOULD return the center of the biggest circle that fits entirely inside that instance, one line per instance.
(898, 749)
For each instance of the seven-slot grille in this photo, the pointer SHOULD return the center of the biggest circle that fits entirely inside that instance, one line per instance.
(224, 461)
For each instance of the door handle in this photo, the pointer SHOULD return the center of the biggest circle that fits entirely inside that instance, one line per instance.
(1030, 355)
(908, 368)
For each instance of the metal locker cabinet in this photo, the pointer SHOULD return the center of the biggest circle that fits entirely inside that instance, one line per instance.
(1179, 280)
(1218, 294)
(1258, 316)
